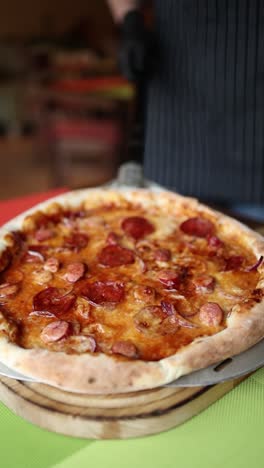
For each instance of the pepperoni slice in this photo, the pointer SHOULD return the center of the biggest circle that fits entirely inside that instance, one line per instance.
(101, 292)
(162, 255)
(126, 348)
(76, 241)
(53, 300)
(204, 284)
(43, 234)
(198, 226)
(183, 322)
(54, 331)
(81, 344)
(234, 262)
(156, 320)
(211, 314)
(169, 325)
(170, 278)
(115, 255)
(214, 242)
(184, 307)
(137, 227)
(74, 272)
(170, 311)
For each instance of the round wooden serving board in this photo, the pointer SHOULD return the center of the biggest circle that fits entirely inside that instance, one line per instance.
(109, 416)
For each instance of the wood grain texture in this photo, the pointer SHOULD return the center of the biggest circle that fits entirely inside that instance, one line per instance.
(110, 416)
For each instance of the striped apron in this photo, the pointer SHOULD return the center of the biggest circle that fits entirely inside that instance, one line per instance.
(205, 100)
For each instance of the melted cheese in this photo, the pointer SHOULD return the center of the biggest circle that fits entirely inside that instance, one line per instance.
(109, 324)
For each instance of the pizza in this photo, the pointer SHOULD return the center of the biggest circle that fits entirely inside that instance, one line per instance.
(112, 291)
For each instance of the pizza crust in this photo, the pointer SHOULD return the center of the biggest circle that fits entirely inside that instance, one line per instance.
(102, 374)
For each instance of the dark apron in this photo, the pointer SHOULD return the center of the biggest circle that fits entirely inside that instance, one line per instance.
(205, 100)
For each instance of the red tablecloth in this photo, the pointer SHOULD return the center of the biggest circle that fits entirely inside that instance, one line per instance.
(11, 208)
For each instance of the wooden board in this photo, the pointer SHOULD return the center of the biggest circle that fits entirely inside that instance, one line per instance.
(110, 416)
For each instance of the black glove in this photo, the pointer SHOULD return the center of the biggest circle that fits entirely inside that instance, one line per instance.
(135, 57)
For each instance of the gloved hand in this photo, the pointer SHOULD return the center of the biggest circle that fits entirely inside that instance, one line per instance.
(135, 57)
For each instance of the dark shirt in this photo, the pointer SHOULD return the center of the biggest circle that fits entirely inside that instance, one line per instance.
(204, 116)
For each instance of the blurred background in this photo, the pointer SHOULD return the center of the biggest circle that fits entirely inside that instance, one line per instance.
(65, 110)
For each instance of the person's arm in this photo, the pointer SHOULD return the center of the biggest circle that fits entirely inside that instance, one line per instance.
(135, 39)
(120, 8)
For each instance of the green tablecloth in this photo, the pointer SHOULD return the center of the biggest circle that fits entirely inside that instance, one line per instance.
(228, 434)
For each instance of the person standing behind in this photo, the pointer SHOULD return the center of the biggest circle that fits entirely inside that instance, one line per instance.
(204, 97)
